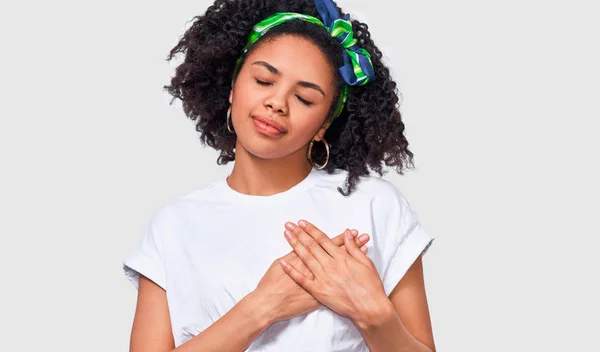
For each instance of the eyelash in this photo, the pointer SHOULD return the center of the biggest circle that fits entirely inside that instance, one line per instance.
(303, 101)
(262, 83)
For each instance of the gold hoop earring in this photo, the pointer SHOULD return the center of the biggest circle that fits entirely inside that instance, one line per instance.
(229, 118)
(309, 156)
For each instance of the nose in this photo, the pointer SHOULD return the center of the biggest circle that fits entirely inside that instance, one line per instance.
(277, 103)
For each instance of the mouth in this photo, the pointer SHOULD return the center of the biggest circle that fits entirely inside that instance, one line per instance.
(266, 128)
(269, 123)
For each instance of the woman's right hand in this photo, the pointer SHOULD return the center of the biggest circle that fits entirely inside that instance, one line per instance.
(283, 297)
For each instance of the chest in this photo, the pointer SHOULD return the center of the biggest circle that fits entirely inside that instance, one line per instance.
(221, 258)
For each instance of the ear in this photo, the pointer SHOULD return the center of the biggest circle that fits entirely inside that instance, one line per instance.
(319, 136)
(231, 96)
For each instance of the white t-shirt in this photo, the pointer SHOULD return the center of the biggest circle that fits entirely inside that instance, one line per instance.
(210, 248)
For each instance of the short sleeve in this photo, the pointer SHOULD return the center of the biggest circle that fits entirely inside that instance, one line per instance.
(146, 258)
(402, 237)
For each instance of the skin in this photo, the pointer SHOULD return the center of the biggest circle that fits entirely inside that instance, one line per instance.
(347, 282)
(266, 165)
(269, 165)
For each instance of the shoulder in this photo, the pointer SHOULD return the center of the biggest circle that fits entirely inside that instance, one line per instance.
(180, 207)
(371, 187)
(380, 189)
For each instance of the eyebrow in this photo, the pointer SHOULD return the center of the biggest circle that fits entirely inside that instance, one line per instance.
(275, 71)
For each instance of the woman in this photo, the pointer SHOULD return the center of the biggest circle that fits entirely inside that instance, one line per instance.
(265, 260)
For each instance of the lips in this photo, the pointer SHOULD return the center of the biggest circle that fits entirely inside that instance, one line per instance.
(270, 122)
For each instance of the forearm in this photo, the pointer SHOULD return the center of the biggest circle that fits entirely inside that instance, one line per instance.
(233, 332)
(385, 332)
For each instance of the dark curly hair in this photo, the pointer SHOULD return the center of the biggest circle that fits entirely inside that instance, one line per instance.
(369, 132)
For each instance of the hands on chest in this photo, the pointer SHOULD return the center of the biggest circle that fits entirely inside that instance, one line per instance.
(334, 272)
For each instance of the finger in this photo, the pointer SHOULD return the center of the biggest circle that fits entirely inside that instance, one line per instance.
(360, 240)
(303, 253)
(354, 250)
(322, 239)
(339, 239)
(294, 260)
(309, 242)
(297, 276)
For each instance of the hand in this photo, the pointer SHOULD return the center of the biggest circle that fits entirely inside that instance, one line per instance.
(285, 299)
(346, 281)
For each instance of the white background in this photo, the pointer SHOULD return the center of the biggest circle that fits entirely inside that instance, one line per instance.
(501, 107)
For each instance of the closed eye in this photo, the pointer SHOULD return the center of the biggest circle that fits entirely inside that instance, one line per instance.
(304, 101)
(263, 83)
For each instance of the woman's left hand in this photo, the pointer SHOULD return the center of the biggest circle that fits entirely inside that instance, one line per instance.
(345, 280)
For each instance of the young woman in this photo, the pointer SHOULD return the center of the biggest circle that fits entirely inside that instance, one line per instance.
(269, 259)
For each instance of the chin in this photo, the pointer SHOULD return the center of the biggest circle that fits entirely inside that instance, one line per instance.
(260, 148)
(265, 149)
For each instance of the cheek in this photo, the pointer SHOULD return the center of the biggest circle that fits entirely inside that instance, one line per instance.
(245, 95)
(304, 127)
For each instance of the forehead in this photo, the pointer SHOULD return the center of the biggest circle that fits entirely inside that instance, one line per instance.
(294, 57)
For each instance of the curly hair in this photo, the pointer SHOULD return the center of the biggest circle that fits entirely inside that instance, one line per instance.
(369, 133)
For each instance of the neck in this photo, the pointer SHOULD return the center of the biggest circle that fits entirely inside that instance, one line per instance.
(264, 177)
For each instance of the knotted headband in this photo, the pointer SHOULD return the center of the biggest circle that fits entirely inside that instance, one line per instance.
(357, 69)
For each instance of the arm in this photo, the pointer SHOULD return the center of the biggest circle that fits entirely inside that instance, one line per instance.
(404, 320)
(234, 331)
(348, 283)
(151, 329)
(280, 298)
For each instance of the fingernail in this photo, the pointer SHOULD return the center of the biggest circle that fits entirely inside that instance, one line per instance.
(363, 237)
(363, 249)
(348, 234)
(354, 232)
(302, 223)
(290, 225)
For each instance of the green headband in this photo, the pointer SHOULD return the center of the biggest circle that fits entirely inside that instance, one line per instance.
(358, 68)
